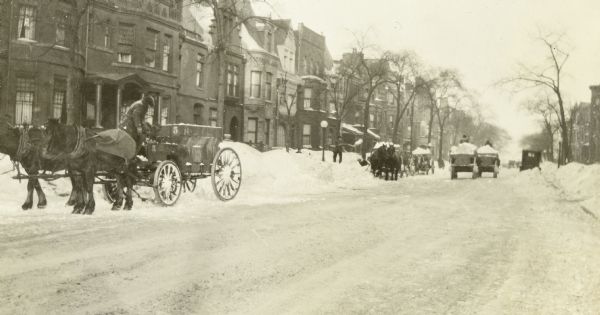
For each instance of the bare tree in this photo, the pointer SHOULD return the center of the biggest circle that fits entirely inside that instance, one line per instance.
(547, 110)
(548, 76)
(289, 104)
(405, 77)
(446, 94)
(228, 17)
(345, 86)
(374, 73)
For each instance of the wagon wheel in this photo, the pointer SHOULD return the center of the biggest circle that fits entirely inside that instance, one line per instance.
(226, 174)
(167, 183)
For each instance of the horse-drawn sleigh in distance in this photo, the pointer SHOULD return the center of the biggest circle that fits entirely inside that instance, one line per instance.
(171, 160)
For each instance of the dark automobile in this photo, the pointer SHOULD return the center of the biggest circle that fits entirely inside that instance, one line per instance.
(530, 159)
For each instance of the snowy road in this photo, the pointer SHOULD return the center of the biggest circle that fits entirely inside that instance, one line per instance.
(422, 245)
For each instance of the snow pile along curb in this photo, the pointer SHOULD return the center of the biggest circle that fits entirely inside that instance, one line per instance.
(579, 183)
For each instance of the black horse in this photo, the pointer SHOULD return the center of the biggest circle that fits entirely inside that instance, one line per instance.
(393, 163)
(77, 146)
(24, 145)
(377, 160)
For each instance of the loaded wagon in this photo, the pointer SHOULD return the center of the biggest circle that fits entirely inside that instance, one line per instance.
(463, 159)
(488, 161)
(179, 155)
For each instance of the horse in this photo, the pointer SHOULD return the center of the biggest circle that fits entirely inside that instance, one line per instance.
(377, 160)
(393, 163)
(23, 145)
(78, 147)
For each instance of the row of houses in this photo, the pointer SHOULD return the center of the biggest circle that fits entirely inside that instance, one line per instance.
(86, 61)
(585, 134)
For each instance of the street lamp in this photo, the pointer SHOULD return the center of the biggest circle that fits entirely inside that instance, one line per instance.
(324, 125)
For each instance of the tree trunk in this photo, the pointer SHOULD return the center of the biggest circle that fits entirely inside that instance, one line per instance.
(430, 125)
(441, 143)
(221, 89)
(366, 124)
(412, 125)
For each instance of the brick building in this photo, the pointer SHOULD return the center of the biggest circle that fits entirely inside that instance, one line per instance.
(262, 69)
(312, 60)
(133, 49)
(41, 62)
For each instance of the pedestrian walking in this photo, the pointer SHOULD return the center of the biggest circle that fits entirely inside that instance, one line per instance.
(337, 150)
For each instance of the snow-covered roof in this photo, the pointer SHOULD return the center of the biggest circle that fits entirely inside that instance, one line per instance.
(486, 149)
(351, 129)
(313, 77)
(421, 151)
(248, 42)
(374, 135)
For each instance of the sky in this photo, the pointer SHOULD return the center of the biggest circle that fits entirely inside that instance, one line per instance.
(483, 39)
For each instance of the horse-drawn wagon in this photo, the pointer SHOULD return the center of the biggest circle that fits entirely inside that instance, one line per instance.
(463, 159)
(488, 161)
(177, 157)
(423, 163)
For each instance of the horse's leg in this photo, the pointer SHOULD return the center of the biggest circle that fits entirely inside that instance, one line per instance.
(42, 202)
(80, 194)
(119, 201)
(129, 197)
(29, 200)
(90, 206)
(74, 191)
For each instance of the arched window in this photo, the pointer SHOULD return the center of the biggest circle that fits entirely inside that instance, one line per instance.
(198, 108)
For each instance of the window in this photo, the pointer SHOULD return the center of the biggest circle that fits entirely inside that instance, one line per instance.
(268, 84)
(166, 53)
(150, 115)
(213, 117)
(307, 98)
(251, 131)
(236, 79)
(233, 77)
(391, 121)
(63, 29)
(306, 135)
(126, 40)
(199, 70)
(106, 35)
(164, 110)
(372, 119)
(24, 100)
(332, 108)
(59, 97)
(255, 78)
(151, 48)
(198, 114)
(101, 31)
(26, 26)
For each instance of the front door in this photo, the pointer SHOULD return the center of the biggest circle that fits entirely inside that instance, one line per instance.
(234, 129)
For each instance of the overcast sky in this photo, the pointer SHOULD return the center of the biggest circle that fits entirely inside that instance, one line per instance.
(482, 39)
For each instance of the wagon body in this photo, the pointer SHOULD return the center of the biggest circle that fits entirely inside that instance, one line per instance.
(460, 163)
(191, 147)
(488, 163)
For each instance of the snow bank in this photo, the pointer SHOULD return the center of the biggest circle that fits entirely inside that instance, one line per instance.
(486, 149)
(579, 183)
(278, 176)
